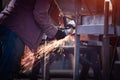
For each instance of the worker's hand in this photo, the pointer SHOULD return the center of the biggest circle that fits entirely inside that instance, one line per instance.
(63, 32)
(70, 28)
(60, 34)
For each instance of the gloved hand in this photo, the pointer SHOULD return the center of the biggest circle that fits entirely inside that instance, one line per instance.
(60, 34)
(63, 32)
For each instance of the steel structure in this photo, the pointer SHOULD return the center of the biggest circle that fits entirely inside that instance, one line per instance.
(105, 30)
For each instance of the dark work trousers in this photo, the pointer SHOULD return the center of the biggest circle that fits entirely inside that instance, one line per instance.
(11, 50)
(90, 59)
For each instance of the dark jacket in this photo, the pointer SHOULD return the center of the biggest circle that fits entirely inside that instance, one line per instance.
(29, 20)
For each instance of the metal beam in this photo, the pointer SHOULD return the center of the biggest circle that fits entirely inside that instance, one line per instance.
(94, 29)
(106, 46)
(76, 58)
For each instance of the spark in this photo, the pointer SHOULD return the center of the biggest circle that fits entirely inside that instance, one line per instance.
(29, 58)
(51, 46)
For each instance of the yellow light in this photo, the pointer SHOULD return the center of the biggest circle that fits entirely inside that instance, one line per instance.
(110, 4)
(107, 0)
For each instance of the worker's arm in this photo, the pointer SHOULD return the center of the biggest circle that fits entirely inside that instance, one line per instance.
(7, 10)
(42, 18)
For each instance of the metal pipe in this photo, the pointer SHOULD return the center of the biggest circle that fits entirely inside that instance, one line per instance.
(77, 44)
(106, 20)
(105, 47)
(46, 66)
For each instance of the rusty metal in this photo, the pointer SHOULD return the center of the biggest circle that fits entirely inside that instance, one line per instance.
(106, 20)
(114, 15)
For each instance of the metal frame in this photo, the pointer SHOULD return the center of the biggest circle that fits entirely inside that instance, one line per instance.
(105, 47)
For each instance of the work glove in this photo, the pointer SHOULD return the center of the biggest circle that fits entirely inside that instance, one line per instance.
(61, 33)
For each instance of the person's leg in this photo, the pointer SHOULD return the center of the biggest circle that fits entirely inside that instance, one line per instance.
(12, 49)
(90, 60)
(94, 59)
(85, 67)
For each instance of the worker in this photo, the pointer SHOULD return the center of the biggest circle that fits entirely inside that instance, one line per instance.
(24, 25)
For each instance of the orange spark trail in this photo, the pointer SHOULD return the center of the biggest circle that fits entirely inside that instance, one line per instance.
(28, 58)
